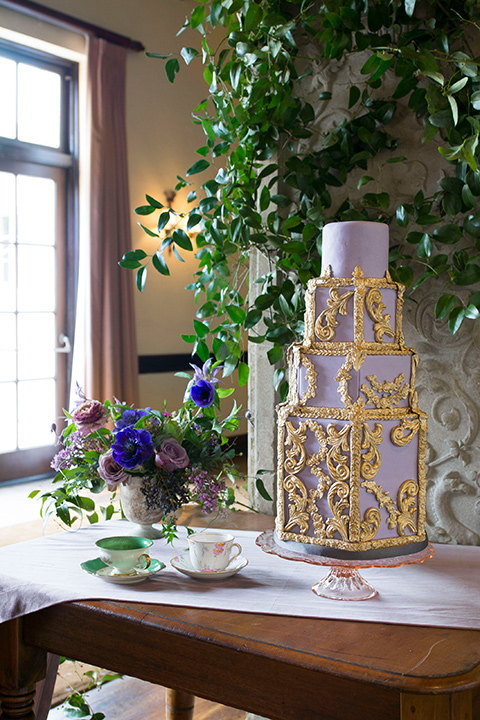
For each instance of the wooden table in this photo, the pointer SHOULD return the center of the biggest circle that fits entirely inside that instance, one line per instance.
(284, 668)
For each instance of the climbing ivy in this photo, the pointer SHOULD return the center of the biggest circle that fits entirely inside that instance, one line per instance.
(274, 178)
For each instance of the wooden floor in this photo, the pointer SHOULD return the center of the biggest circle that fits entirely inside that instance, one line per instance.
(131, 699)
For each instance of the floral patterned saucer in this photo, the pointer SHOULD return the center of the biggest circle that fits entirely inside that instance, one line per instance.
(182, 564)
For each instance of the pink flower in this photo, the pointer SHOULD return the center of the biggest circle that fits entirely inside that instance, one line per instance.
(110, 471)
(90, 415)
(171, 455)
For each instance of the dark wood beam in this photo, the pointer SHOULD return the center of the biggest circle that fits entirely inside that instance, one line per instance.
(33, 9)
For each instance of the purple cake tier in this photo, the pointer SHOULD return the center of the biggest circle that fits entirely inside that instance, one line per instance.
(348, 244)
(318, 379)
(388, 484)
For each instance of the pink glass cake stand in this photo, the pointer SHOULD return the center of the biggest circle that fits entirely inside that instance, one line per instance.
(343, 581)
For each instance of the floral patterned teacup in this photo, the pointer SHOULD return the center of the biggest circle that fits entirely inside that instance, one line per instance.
(125, 554)
(212, 551)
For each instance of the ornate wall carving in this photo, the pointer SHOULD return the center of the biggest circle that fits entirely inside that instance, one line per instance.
(448, 377)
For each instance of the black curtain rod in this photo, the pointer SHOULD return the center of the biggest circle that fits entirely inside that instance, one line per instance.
(33, 9)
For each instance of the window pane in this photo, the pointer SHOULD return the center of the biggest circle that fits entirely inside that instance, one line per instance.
(8, 332)
(36, 344)
(8, 420)
(36, 209)
(36, 410)
(8, 86)
(36, 330)
(33, 365)
(38, 105)
(8, 365)
(7, 277)
(36, 278)
(7, 206)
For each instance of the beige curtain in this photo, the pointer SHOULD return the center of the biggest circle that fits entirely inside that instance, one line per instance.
(111, 347)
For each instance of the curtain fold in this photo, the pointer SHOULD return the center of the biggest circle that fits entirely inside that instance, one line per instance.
(111, 362)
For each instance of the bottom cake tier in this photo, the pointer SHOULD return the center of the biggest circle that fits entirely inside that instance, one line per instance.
(351, 488)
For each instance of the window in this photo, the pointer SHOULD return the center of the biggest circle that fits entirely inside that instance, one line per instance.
(38, 252)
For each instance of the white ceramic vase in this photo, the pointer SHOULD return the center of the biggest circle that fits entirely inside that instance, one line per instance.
(140, 500)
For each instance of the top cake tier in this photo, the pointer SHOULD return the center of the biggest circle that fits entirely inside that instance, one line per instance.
(346, 245)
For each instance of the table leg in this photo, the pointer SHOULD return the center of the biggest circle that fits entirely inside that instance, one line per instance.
(457, 706)
(179, 705)
(20, 668)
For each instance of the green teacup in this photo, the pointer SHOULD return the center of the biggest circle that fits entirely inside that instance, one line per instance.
(125, 554)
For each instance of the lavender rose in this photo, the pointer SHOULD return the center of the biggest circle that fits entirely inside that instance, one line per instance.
(110, 471)
(171, 455)
(90, 415)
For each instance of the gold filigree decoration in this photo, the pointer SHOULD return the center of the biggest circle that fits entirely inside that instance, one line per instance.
(391, 392)
(370, 524)
(357, 272)
(317, 519)
(339, 521)
(343, 376)
(315, 459)
(296, 455)
(406, 501)
(311, 377)
(376, 308)
(371, 459)
(339, 441)
(401, 515)
(336, 304)
(297, 498)
(357, 355)
(384, 500)
(406, 425)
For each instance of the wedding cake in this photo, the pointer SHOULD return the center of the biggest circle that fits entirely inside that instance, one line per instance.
(351, 439)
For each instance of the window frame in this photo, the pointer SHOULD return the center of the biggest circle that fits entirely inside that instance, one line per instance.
(62, 162)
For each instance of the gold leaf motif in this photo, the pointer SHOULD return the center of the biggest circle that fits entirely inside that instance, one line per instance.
(357, 355)
(406, 501)
(384, 501)
(406, 425)
(375, 308)
(370, 524)
(317, 520)
(371, 459)
(390, 392)
(342, 378)
(338, 441)
(296, 455)
(311, 377)
(339, 521)
(401, 515)
(297, 498)
(315, 459)
(336, 304)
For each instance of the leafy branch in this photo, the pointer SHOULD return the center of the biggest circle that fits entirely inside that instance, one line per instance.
(279, 170)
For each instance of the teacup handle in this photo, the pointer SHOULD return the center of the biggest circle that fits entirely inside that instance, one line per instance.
(145, 561)
(239, 550)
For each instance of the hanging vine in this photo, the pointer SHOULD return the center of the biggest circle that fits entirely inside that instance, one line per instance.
(274, 180)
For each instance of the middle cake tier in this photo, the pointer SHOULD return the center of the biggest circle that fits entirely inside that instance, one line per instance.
(339, 378)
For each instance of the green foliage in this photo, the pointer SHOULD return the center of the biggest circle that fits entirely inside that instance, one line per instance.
(275, 178)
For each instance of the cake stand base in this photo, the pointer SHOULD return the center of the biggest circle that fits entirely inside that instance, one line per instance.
(343, 581)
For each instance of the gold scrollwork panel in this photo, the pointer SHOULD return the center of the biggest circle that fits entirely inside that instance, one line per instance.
(326, 322)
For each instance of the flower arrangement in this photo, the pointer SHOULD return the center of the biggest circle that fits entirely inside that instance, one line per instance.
(187, 452)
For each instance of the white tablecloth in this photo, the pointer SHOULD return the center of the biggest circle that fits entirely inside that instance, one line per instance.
(443, 591)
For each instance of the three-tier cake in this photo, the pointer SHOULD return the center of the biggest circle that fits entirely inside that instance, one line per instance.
(351, 439)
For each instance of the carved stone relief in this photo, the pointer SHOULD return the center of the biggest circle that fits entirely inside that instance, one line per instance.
(448, 384)
(448, 377)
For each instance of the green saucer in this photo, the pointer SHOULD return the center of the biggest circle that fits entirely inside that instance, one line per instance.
(101, 570)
